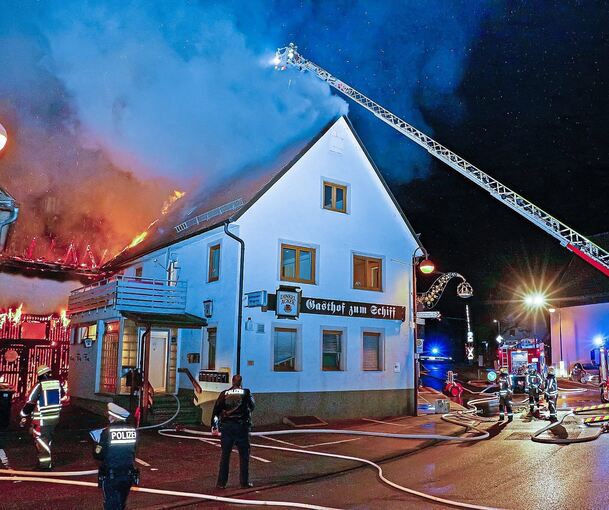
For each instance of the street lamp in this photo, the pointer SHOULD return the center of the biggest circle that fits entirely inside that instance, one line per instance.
(3, 137)
(535, 300)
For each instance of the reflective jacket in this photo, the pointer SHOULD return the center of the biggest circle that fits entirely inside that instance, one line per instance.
(505, 385)
(116, 449)
(45, 400)
(551, 387)
(533, 381)
(234, 404)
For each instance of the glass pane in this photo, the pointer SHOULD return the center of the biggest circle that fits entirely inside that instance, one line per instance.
(374, 268)
(340, 199)
(359, 272)
(306, 265)
(371, 351)
(288, 263)
(285, 349)
(331, 341)
(211, 353)
(330, 362)
(214, 263)
(327, 196)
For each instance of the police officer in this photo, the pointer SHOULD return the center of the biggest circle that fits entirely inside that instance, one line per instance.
(232, 415)
(45, 402)
(551, 393)
(533, 383)
(505, 395)
(116, 450)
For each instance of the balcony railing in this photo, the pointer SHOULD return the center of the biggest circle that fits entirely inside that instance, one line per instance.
(130, 294)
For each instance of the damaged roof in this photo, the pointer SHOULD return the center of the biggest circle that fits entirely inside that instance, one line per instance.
(211, 207)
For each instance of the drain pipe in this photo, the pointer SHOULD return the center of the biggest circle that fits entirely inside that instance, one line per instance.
(240, 310)
(7, 204)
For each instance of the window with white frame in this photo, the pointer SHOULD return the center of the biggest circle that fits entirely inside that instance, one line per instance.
(372, 351)
(285, 349)
(212, 334)
(332, 346)
(85, 332)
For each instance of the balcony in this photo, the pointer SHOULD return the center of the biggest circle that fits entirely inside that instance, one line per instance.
(130, 294)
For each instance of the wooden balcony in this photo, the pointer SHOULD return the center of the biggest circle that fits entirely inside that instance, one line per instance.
(130, 294)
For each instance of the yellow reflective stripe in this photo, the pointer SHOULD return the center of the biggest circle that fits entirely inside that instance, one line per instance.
(50, 385)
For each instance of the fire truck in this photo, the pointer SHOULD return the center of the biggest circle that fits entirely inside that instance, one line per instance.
(516, 356)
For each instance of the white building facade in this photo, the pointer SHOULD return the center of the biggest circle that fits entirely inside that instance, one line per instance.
(325, 229)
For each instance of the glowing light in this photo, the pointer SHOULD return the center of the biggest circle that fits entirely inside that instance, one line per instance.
(427, 266)
(499, 339)
(535, 300)
(173, 198)
(551, 310)
(276, 60)
(63, 316)
(598, 340)
(138, 239)
(435, 350)
(3, 137)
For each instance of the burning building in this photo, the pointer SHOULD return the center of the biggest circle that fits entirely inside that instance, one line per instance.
(298, 275)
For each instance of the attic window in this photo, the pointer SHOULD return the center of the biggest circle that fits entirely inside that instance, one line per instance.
(337, 142)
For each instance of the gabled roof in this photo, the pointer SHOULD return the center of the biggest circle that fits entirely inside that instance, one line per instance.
(583, 284)
(227, 201)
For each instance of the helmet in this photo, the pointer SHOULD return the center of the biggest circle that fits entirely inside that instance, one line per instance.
(550, 370)
(42, 369)
(503, 371)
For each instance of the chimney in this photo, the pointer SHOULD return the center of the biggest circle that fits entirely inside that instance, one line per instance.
(8, 215)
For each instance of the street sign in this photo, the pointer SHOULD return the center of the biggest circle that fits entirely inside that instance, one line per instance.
(258, 298)
(429, 315)
(491, 376)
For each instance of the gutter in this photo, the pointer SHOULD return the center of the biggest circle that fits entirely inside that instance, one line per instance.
(240, 310)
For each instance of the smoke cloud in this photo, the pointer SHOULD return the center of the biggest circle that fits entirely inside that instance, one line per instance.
(110, 105)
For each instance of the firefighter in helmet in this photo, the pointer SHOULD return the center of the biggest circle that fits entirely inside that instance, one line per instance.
(115, 449)
(551, 393)
(44, 407)
(505, 395)
(533, 383)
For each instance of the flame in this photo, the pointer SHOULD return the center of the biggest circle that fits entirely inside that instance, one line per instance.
(138, 239)
(13, 316)
(171, 200)
(63, 317)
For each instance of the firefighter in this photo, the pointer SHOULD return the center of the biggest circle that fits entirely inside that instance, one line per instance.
(44, 407)
(232, 416)
(551, 393)
(533, 385)
(505, 395)
(116, 451)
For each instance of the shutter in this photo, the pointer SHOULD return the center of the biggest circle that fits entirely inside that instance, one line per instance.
(332, 342)
(371, 351)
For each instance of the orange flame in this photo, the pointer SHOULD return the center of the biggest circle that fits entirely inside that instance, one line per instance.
(13, 316)
(63, 317)
(138, 239)
(171, 200)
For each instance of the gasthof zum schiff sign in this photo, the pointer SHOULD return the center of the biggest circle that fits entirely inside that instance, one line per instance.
(352, 309)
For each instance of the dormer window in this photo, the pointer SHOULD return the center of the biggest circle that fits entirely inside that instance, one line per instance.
(335, 197)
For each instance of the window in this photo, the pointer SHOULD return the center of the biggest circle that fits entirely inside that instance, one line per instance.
(88, 332)
(331, 350)
(297, 264)
(211, 348)
(285, 350)
(214, 263)
(372, 351)
(139, 271)
(109, 359)
(367, 273)
(335, 197)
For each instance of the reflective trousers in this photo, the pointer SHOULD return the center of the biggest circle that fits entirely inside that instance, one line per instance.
(234, 434)
(43, 438)
(533, 400)
(505, 406)
(552, 405)
(115, 491)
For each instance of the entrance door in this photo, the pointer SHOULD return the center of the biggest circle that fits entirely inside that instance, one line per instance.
(158, 360)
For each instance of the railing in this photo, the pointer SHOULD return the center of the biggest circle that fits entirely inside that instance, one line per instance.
(128, 293)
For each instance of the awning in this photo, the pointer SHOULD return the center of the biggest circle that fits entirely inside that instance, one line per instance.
(170, 320)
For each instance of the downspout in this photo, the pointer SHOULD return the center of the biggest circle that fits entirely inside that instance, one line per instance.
(240, 310)
(13, 213)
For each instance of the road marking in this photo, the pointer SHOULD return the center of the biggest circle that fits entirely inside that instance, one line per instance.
(140, 461)
(234, 449)
(331, 442)
(386, 422)
(280, 441)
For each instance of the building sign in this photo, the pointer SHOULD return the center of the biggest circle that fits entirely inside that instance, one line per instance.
(288, 304)
(353, 309)
(255, 299)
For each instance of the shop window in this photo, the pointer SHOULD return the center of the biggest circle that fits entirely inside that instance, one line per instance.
(213, 273)
(367, 273)
(284, 352)
(372, 351)
(109, 359)
(332, 345)
(297, 264)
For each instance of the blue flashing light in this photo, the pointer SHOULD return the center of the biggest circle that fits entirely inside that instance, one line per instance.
(435, 350)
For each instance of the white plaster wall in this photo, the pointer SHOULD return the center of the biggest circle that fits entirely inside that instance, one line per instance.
(291, 211)
(577, 326)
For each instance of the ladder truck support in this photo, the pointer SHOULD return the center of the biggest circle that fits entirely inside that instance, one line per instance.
(572, 240)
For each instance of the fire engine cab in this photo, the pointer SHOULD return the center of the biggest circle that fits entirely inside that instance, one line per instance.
(516, 356)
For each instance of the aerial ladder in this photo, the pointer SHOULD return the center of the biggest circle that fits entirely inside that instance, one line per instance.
(569, 238)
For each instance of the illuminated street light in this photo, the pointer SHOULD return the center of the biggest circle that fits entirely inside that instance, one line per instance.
(598, 340)
(535, 300)
(426, 266)
(3, 137)
(551, 310)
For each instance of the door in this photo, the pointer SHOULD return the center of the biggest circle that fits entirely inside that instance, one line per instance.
(158, 360)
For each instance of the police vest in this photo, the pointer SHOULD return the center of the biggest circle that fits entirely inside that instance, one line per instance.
(120, 447)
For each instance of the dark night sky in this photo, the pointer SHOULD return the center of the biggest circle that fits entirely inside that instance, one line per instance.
(517, 88)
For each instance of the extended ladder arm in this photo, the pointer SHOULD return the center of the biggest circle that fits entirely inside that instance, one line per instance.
(573, 241)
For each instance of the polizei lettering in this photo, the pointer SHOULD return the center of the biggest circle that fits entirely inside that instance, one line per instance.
(122, 435)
